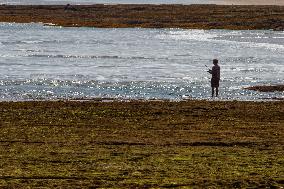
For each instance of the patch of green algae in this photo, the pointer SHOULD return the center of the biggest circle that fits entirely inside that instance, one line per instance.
(194, 144)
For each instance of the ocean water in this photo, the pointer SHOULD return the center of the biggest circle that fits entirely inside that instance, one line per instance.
(47, 63)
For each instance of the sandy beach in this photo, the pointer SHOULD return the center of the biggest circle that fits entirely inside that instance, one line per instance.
(150, 16)
(142, 144)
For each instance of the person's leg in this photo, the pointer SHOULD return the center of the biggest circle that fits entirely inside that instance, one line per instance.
(212, 92)
(217, 91)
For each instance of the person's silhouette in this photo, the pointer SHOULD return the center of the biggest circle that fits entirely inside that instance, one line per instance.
(215, 72)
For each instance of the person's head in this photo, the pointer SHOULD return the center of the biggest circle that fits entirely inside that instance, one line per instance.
(215, 61)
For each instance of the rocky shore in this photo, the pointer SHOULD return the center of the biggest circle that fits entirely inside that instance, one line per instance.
(141, 144)
(268, 88)
(149, 16)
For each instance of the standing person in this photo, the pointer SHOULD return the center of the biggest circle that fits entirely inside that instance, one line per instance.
(215, 72)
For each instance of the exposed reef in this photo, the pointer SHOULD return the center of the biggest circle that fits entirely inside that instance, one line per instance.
(236, 17)
(270, 88)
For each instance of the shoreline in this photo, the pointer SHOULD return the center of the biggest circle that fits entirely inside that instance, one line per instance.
(233, 17)
(141, 100)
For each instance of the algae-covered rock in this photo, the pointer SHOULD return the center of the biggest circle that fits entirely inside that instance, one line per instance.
(270, 88)
(235, 17)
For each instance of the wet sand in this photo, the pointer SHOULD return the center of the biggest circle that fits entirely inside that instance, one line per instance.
(142, 144)
(150, 16)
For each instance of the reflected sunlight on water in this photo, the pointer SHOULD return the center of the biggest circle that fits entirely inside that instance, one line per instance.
(40, 62)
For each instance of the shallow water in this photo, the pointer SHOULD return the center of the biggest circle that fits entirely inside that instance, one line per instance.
(40, 63)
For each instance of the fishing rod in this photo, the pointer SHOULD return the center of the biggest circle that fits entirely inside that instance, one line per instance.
(209, 70)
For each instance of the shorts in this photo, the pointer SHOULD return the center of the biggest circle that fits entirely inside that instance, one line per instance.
(215, 82)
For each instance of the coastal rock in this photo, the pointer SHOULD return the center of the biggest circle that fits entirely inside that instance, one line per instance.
(270, 88)
(233, 17)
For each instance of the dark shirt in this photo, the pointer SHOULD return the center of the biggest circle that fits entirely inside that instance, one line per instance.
(215, 72)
